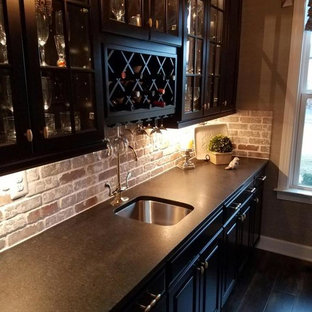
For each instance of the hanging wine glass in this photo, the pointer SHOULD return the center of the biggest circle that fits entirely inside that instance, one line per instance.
(118, 9)
(59, 39)
(43, 34)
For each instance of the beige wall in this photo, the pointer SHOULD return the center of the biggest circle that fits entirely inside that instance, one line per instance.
(265, 43)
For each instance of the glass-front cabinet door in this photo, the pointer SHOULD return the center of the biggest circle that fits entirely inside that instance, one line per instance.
(215, 49)
(64, 70)
(14, 123)
(194, 53)
(156, 20)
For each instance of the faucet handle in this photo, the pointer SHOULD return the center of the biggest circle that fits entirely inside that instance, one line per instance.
(110, 188)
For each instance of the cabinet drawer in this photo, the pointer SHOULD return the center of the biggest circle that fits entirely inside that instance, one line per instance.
(187, 256)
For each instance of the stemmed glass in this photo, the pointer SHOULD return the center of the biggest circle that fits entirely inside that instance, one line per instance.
(59, 39)
(46, 92)
(43, 34)
(3, 42)
(118, 9)
(196, 97)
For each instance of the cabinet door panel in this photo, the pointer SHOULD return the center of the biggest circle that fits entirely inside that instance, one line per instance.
(183, 296)
(212, 280)
(230, 260)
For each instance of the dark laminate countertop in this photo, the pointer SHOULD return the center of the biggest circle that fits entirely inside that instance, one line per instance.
(90, 262)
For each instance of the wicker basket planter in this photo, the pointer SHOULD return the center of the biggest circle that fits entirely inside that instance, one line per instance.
(220, 158)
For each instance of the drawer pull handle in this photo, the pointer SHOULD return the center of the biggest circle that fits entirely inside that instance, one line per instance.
(263, 178)
(148, 308)
(206, 265)
(201, 269)
(253, 190)
(236, 206)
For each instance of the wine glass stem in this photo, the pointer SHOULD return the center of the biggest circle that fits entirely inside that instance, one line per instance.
(5, 55)
(42, 55)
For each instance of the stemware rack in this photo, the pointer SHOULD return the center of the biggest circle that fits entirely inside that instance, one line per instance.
(140, 85)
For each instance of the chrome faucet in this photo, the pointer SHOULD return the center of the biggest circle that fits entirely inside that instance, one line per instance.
(117, 193)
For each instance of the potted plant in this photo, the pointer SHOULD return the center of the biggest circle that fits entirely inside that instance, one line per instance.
(220, 150)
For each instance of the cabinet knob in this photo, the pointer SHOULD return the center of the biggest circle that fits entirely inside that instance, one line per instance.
(29, 135)
(225, 103)
(156, 23)
(205, 106)
(206, 265)
(150, 22)
(257, 200)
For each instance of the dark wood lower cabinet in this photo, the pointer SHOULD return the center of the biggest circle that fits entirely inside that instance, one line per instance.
(203, 273)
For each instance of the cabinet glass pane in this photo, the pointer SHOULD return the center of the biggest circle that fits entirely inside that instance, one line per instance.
(188, 95)
(190, 55)
(197, 94)
(83, 101)
(134, 12)
(209, 92)
(172, 17)
(199, 53)
(56, 103)
(216, 92)
(220, 27)
(200, 18)
(212, 52)
(213, 24)
(117, 10)
(159, 13)
(3, 38)
(218, 60)
(7, 125)
(79, 41)
(191, 16)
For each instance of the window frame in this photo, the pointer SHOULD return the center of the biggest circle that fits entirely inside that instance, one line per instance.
(292, 133)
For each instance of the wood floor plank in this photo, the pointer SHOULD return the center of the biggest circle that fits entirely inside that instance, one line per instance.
(280, 302)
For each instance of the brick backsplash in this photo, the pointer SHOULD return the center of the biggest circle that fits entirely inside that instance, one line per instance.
(61, 190)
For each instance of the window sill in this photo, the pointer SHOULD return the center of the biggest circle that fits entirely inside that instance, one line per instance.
(296, 195)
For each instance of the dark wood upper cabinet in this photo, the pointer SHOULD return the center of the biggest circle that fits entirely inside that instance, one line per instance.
(208, 60)
(155, 20)
(49, 103)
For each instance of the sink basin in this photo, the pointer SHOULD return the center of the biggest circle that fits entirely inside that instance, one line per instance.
(154, 211)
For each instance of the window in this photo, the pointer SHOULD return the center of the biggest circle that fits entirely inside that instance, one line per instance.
(295, 178)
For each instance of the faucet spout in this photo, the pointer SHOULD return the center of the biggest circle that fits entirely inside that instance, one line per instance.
(134, 152)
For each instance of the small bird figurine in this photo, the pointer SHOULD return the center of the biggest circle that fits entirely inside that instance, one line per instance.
(233, 164)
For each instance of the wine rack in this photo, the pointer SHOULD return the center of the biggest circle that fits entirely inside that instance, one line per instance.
(140, 85)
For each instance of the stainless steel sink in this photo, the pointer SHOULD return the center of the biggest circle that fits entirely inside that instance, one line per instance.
(154, 211)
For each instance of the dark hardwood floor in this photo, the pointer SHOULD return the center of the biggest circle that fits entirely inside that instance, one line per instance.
(273, 283)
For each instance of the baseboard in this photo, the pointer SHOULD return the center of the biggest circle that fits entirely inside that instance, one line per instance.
(285, 248)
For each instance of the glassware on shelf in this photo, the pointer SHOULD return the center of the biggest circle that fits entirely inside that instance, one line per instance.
(9, 128)
(43, 34)
(77, 121)
(196, 97)
(46, 92)
(3, 42)
(118, 9)
(59, 39)
(136, 20)
(50, 124)
(65, 122)
(6, 95)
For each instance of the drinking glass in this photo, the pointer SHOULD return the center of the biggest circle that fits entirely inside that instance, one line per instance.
(3, 43)
(118, 9)
(43, 34)
(6, 94)
(9, 128)
(46, 92)
(59, 39)
(65, 122)
(50, 123)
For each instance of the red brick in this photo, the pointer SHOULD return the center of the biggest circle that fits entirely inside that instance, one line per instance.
(72, 175)
(107, 174)
(259, 155)
(34, 216)
(48, 210)
(86, 204)
(253, 120)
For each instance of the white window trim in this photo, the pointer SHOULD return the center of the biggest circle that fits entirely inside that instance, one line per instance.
(292, 105)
